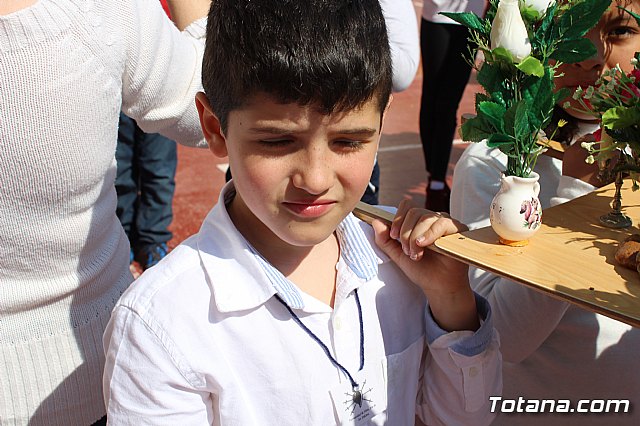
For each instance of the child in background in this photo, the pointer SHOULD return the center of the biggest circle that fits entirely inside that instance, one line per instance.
(554, 350)
(283, 310)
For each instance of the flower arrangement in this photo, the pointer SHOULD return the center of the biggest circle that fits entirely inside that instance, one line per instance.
(615, 101)
(523, 43)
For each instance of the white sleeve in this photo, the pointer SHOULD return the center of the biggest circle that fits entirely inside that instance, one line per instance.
(570, 188)
(143, 380)
(524, 317)
(463, 369)
(162, 73)
(402, 27)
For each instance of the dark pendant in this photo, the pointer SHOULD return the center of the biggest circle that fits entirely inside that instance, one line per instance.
(357, 397)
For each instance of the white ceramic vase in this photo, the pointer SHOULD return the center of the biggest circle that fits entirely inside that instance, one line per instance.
(516, 213)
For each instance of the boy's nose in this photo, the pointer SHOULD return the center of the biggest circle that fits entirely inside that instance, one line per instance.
(314, 173)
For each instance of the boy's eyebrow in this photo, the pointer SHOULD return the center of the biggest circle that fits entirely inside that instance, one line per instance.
(363, 131)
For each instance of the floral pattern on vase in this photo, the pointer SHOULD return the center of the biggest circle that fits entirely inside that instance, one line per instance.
(516, 213)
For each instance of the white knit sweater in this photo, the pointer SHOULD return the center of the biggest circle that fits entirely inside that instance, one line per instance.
(66, 67)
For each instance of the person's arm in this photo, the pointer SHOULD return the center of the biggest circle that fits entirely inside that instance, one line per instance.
(162, 72)
(144, 380)
(462, 368)
(524, 317)
(183, 12)
(402, 28)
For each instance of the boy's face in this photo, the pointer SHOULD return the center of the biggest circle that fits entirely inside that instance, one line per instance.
(297, 172)
(617, 38)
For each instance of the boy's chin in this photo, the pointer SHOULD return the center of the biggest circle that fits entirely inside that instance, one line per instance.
(307, 234)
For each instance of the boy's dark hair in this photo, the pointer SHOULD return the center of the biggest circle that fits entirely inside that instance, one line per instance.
(333, 53)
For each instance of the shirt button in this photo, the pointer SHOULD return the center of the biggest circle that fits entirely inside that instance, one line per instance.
(473, 372)
(337, 323)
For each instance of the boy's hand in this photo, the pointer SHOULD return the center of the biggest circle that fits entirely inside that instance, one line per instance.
(444, 280)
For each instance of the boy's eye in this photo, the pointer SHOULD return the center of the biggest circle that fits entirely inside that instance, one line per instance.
(621, 32)
(350, 144)
(275, 142)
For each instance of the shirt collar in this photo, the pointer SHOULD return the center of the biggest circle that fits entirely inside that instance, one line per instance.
(227, 257)
(355, 250)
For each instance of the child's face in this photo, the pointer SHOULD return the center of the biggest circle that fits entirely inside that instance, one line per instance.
(297, 172)
(617, 38)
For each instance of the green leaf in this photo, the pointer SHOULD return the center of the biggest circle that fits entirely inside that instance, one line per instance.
(467, 19)
(502, 54)
(561, 94)
(510, 120)
(635, 15)
(493, 113)
(547, 21)
(581, 17)
(620, 117)
(531, 66)
(539, 96)
(498, 98)
(629, 135)
(475, 130)
(498, 140)
(481, 97)
(491, 77)
(522, 126)
(572, 51)
(529, 14)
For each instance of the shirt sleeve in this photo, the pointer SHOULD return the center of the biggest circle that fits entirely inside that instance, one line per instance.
(402, 29)
(162, 73)
(570, 188)
(463, 370)
(143, 381)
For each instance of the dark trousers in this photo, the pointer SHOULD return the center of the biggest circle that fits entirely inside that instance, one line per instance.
(445, 74)
(145, 183)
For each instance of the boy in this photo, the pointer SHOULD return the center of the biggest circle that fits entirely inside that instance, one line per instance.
(283, 310)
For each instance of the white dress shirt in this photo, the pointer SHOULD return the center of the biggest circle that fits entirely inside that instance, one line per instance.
(201, 339)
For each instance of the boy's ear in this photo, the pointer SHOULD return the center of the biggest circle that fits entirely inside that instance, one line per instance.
(211, 126)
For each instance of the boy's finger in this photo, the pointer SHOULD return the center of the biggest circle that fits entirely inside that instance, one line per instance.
(396, 225)
(388, 245)
(443, 225)
(416, 224)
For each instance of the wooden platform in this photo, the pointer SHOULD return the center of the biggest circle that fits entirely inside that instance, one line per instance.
(571, 257)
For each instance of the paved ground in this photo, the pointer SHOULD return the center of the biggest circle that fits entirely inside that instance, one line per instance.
(200, 175)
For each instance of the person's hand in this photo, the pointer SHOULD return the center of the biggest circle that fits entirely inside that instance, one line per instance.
(444, 280)
(574, 164)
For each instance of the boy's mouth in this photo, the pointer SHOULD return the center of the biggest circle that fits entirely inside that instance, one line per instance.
(310, 209)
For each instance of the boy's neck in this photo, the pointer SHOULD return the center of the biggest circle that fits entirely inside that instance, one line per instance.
(312, 269)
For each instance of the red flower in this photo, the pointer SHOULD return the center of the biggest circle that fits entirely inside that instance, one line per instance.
(597, 135)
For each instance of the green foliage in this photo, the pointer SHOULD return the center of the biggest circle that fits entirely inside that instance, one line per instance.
(519, 97)
(620, 117)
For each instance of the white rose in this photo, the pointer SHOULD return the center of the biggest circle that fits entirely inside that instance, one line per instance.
(508, 30)
(538, 5)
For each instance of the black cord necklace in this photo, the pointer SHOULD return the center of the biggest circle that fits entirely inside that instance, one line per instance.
(357, 393)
